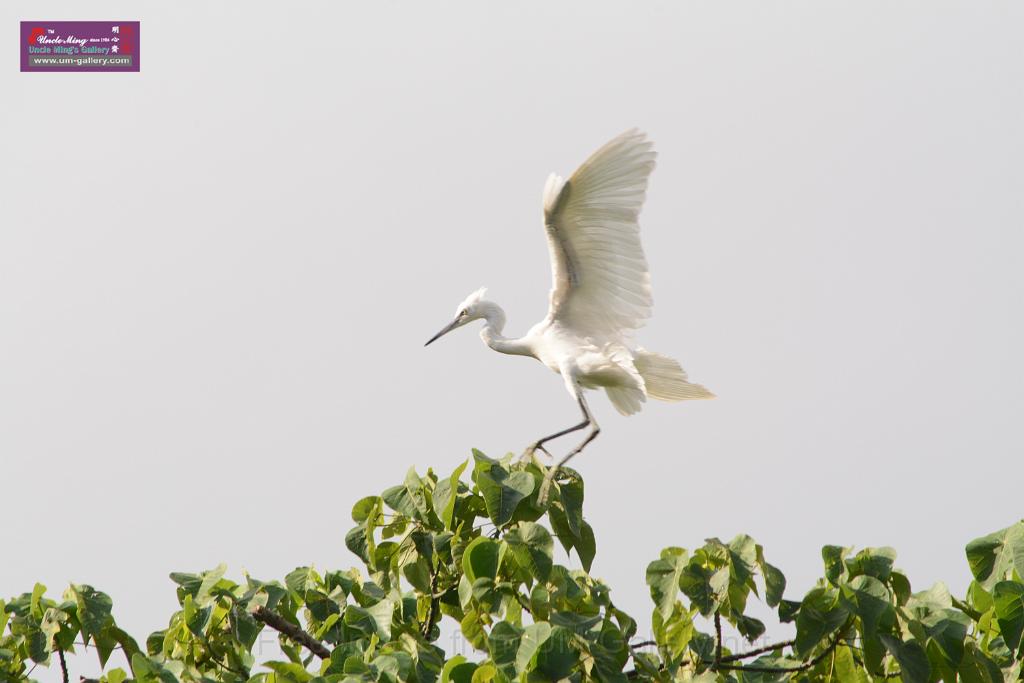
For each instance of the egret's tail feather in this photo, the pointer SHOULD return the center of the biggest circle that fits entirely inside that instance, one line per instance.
(625, 399)
(665, 380)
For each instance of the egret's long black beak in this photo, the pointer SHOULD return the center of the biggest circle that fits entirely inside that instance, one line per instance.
(447, 328)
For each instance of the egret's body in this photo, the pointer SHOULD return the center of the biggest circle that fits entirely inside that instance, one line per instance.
(601, 291)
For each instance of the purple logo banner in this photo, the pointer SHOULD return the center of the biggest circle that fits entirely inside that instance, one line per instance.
(79, 46)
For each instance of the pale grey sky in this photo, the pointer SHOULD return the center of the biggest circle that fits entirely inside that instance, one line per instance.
(216, 278)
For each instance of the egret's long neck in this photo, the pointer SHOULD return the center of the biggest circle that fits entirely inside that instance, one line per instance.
(492, 336)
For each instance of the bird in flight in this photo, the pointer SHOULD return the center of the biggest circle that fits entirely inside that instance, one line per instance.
(600, 294)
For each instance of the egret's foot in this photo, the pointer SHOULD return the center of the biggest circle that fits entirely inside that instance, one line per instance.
(549, 477)
(530, 454)
(545, 486)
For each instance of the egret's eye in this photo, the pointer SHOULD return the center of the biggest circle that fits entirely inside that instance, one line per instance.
(463, 313)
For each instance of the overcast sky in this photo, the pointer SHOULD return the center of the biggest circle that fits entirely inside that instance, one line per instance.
(217, 275)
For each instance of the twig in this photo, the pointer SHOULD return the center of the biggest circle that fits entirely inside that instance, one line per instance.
(891, 674)
(718, 639)
(757, 651)
(237, 672)
(641, 644)
(781, 669)
(63, 664)
(280, 624)
(428, 625)
(525, 604)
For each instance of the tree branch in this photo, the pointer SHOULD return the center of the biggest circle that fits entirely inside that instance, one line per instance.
(280, 624)
(63, 664)
(718, 639)
(757, 651)
(781, 669)
(428, 625)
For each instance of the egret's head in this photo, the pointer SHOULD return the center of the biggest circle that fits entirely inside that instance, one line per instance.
(469, 310)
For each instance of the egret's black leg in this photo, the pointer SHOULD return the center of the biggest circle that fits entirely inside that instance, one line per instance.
(594, 431)
(539, 444)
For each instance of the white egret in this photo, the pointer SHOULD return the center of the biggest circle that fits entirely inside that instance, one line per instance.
(601, 292)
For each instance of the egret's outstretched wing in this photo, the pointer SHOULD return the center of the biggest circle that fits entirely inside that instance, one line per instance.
(601, 284)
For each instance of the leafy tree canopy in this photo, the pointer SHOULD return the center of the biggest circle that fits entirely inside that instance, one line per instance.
(477, 548)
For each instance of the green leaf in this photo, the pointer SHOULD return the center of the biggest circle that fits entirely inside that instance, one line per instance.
(610, 653)
(35, 608)
(992, 557)
(52, 620)
(534, 547)
(485, 593)
(485, 673)
(540, 602)
(673, 634)
(788, 609)
(749, 627)
(876, 562)
(946, 631)
(301, 579)
(189, 583)
(115, 675)
(355, 540)
(372, 620)
(979, 598)
(445, 494)
(366, 508)
(705, 587)
(976, 667)
(911, 657)
(560, 526)
(399, 500)
(742, 558)
(94, 609)
(244, 628)
(663, 578)
(196, 619)
(869, 600)
(534, 636)
(821, 613)
(571, 494)
(417, 493)
(575, 622)
(586, 547)
(155, 642)
(929, 603)
(319, 604)
(457, 669)
(473, 630)
(775, 584)
(835, 564)
(1008, 597)
(503, 491)
(558, 657)
(417, 573)
(209, 580)
(149, 671)
(846, 669)
(39, 646)
(289, 672)
(481, 559)
(503, 646)
(900, 587)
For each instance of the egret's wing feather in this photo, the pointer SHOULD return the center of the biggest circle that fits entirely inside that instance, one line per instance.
(601, 283)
